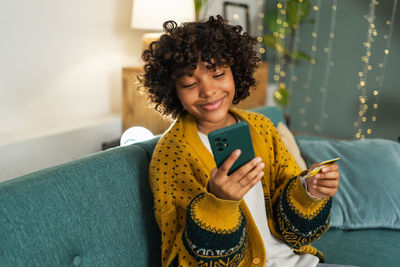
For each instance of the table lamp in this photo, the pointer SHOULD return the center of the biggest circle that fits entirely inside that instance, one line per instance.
(151, 14)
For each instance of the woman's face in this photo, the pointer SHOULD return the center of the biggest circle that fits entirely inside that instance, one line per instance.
(208, 94)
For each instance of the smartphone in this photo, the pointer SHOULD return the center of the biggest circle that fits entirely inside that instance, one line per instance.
(225, 140)
(318, 168)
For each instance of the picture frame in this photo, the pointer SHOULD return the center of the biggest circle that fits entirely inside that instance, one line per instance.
(238, 14)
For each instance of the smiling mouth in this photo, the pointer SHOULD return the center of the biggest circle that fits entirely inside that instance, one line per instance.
(212, 105)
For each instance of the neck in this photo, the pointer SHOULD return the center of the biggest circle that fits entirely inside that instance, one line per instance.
(206, 127)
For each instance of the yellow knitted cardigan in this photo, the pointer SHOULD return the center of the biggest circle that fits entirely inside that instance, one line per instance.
(199, 229)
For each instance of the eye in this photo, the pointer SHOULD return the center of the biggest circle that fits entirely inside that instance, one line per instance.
(219, 75)
(188, 85)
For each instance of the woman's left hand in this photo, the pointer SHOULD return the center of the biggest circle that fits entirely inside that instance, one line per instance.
(325, 183)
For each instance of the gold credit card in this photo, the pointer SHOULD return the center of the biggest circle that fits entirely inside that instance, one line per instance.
(318, 168)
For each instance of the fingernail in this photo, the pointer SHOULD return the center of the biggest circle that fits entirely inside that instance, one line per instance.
(315, 182)
(261, 174)
(262, 165)
(317, 176)
(314, 186)
(237, 152)
(324, 169)
(258, 159)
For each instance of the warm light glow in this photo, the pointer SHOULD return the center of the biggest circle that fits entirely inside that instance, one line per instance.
(277, 95)
(151, 14)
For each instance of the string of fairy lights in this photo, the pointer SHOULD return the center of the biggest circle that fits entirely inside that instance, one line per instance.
(307, 99)
(235, 18)
(364, 123)
(260, 27)
(368, 104)
(329, 64)
(363, 75)
(293, 78)
(280, 60)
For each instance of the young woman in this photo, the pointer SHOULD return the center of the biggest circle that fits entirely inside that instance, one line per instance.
(265, 213)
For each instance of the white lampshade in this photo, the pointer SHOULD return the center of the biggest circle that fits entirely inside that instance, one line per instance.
(151, 14)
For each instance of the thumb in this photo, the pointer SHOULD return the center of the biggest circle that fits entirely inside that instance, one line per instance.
(213, 172)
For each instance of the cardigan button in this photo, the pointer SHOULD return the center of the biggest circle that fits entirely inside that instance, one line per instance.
(256, 260)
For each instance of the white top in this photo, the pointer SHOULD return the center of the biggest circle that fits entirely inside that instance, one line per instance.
(279, 254)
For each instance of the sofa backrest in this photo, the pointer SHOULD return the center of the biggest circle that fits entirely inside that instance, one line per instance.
(95, 211)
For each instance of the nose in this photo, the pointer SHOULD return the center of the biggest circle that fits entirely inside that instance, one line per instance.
(207, 88)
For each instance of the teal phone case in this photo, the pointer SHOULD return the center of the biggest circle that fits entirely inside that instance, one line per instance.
(225, 140)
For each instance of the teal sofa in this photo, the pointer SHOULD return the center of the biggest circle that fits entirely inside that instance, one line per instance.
(97, 211)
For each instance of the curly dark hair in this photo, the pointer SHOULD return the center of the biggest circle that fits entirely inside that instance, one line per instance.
(176, 54)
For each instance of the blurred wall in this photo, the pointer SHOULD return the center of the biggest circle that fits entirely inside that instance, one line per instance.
(60, 79)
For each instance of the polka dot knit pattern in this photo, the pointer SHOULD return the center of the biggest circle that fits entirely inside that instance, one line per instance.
(199, 229)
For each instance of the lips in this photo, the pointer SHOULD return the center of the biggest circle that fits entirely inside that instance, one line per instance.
(213, 105)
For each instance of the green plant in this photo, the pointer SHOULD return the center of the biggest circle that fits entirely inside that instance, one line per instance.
(286, 24)
(198, 6)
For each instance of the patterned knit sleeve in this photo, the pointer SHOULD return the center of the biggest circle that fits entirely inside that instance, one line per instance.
(215, 232)
(300, 219)
(196, 227)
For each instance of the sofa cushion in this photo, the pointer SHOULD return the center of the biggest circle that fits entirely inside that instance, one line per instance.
(275, 114)
(97, 211)
(369, 191)
(291, 145)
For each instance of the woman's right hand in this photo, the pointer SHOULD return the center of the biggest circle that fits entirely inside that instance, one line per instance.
(236, 185)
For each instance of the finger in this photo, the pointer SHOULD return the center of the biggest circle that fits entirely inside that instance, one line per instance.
(253, 174)
(245, 169)
(312, 167)
(326, 183)
(244, 189)
(325, 191)
(228, 163)
(330, 168)
(335, 175)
